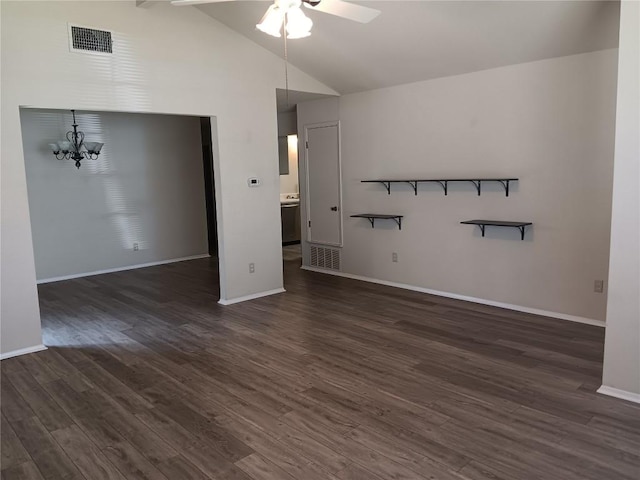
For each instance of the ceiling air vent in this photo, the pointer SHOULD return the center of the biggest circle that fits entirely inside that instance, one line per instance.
(89, 40)
(324, 257)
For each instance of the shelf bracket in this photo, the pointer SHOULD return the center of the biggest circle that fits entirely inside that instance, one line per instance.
(398, 221)
(372, 219)
(505, 184)
(414, 185)
(444, 184)
(387, 185)
(522, 231)
(477, 184)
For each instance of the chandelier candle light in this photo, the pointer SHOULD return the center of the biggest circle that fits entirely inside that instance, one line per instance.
(74, 147)
(297, 24)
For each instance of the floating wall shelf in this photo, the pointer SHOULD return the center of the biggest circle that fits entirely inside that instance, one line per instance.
(444, 183)
(498, 223)
(373, 216)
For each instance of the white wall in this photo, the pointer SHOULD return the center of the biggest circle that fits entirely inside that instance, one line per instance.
(147, 187)
(549, 123)
(622, 342)
(166, 60)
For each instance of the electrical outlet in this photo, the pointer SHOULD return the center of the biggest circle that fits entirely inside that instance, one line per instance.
(252, 268)
(136, 247)
(598, 286)
(394, 257)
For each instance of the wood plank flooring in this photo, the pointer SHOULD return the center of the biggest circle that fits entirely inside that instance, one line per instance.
(147, 377)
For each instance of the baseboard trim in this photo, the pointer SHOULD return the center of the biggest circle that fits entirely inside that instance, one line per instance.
(508, 306)
(122, 269)
(253, 296)
(617, 393)
(23, 351)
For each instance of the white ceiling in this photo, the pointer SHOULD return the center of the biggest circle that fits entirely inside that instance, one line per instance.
(419, 40)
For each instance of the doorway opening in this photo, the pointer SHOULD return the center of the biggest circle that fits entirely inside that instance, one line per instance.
(290, 198)
(209, 185)
(148, 199)
(292, 201)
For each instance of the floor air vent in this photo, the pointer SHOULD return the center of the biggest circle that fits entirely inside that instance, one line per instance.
(90, 40)
(324, 257)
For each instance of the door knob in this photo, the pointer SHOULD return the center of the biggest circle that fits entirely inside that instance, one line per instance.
(334, 209)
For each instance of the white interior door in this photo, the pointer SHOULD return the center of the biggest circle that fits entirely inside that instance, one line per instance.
(324, 200)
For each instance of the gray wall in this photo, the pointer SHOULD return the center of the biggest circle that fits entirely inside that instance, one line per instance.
(549, 123)
(146, 187)
(287, 124)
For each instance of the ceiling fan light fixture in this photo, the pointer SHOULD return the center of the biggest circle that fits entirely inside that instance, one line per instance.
(271, 23)
(298, 24)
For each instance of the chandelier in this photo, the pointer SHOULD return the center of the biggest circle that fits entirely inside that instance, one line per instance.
(289, 13)
(74, 147)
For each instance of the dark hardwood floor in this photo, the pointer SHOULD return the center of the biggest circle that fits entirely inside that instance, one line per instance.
(146, 376)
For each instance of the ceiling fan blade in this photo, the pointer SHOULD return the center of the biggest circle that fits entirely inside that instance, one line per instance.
(181, 3)
(347, 10)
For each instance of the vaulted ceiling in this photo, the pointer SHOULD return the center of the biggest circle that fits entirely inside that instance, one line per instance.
(419, 40)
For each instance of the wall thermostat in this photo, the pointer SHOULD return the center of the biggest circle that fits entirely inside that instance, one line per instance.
(253, 182)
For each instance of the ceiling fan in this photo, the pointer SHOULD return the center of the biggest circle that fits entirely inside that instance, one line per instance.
(289, 14)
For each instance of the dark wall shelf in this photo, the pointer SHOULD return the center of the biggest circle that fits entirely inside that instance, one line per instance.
(444, 183)
(498, 223)
(373, 216)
